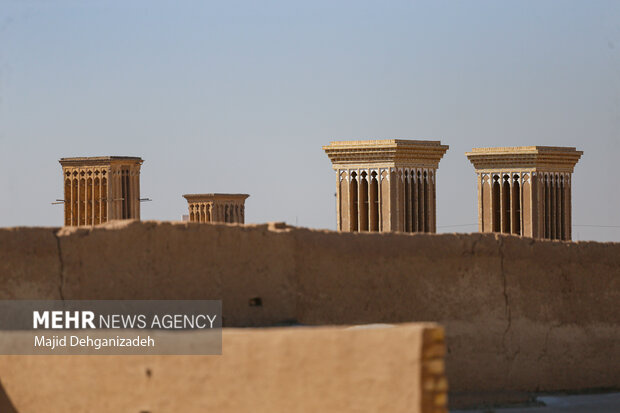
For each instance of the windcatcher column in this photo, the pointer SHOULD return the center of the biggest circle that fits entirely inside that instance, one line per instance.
(525, 190)
(386, 185)
(216, 207)
(100, 189)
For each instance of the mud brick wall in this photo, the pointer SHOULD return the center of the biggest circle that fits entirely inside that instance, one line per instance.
(322, 369)
(520, 315)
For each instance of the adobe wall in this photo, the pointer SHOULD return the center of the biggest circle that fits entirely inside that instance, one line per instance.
(520, 315)
(323, 369)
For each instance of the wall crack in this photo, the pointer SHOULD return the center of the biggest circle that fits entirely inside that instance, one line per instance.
(62, 267)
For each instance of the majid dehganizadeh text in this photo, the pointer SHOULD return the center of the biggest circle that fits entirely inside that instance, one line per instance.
(57, 320)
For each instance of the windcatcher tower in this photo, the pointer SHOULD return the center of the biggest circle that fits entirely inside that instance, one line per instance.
(216, 207)
(525, 190)
(386, 185)
(101, 189)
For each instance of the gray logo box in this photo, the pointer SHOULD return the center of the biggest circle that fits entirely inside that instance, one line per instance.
(111, 327)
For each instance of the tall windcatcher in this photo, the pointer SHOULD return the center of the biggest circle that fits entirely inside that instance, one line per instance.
(525, 190)
(386, 185)
(101, 189)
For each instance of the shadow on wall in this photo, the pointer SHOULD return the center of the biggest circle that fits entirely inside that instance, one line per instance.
(6, 406)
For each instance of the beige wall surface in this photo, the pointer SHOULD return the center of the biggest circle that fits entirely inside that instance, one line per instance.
(520, 314)
(322, 369)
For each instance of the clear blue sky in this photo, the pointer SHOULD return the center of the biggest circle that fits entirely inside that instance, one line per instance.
(239, 96)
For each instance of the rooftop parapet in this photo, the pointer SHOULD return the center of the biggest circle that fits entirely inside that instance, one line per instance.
(386, 152)
(535, 158)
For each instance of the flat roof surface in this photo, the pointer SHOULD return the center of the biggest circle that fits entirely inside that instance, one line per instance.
(100, 158)
(385, 142)
(523, 149)
(213, 196)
